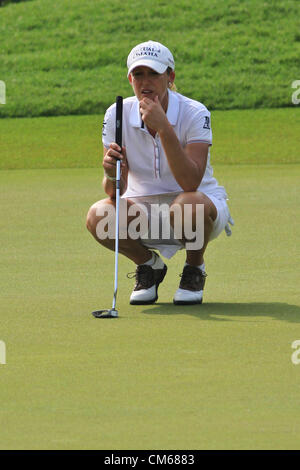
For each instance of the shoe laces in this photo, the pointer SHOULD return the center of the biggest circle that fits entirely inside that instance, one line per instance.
(131, 275)
(192, 277)
(143, 276)
(190, 273)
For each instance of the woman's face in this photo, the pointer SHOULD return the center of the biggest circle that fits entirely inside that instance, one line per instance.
(148, 83)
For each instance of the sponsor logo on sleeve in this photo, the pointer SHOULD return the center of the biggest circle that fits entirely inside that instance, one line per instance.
(206, 123)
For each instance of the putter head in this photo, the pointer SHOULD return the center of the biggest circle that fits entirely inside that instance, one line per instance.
(112, 313)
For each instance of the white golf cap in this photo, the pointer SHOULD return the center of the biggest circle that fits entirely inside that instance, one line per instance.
(150, 54)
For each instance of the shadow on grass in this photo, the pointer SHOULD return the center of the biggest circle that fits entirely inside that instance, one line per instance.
(219, 311)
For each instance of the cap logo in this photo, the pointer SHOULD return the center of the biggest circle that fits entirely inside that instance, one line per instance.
(146, 51)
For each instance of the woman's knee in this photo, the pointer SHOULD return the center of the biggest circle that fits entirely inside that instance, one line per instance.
(190, 200)
(90, 218)
(96, 212)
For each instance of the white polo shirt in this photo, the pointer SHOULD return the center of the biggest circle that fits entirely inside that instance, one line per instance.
(149, 171)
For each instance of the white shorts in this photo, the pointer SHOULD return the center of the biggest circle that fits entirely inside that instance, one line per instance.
(168, 247)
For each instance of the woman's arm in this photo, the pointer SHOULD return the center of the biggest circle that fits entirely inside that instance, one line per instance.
(187, 164)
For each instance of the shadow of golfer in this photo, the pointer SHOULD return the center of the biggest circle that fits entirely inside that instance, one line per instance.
(253, 311)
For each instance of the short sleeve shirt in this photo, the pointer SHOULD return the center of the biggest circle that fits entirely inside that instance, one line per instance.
(149, 171)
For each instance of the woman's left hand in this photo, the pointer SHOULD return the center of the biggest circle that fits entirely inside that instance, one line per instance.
(153, 114)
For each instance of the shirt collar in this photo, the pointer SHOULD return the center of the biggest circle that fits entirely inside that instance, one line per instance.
(172, 111)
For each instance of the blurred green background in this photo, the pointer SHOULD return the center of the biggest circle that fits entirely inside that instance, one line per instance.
(62, 57)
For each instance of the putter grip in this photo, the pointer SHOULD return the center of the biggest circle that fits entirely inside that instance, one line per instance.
(119, 115)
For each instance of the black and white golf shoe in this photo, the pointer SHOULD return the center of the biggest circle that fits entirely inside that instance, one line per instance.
(148, 279)
(191, 286)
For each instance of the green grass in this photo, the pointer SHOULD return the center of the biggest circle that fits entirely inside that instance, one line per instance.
(218, 376)
(240, 136)
(58, 60)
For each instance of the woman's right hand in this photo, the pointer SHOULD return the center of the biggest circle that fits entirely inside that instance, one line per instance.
(110, 158)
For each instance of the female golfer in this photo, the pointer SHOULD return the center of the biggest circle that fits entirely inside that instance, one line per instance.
(165, 160)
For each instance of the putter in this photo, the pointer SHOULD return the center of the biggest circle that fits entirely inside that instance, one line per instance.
(113, 312)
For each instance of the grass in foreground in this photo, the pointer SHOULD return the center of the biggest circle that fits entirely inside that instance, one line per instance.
(218, 376)
(58, 60)
(248, 136)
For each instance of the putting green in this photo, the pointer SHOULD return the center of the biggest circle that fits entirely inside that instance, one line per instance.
(216, 376)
